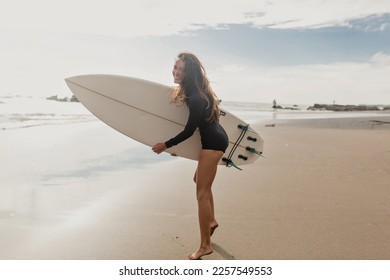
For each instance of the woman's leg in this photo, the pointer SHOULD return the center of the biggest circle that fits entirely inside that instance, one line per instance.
(207, 169)
(214, 223)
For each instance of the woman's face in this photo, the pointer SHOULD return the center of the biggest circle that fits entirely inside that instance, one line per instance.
(178, 71)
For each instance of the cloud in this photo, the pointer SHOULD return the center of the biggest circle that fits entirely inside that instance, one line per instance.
(384, 26)
(381, 59)
(293, 65)
(166, 17)
(319, 13)
(346, 83)
(123, 18)
(371, 23)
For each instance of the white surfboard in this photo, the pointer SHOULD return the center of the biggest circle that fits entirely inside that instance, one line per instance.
(143, 111)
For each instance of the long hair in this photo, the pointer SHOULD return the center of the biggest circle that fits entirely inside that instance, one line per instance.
(194, 76)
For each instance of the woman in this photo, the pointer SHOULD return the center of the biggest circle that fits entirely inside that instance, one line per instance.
(194, 89)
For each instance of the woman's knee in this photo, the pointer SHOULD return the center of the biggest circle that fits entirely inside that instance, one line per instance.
(205, 173)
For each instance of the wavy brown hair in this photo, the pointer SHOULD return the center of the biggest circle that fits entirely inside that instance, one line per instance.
(194, 75)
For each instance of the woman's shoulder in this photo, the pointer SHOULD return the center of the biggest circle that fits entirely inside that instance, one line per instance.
(196, 101)
(196, 97)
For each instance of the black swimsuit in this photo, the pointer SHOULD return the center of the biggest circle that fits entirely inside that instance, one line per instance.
(212, 134)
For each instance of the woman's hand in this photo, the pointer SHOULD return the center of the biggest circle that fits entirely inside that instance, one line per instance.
(159, 148)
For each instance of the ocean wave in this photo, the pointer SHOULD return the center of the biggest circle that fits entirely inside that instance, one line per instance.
(25, 112)
(18, 121)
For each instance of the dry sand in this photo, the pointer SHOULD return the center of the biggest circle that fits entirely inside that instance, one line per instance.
(322, 192)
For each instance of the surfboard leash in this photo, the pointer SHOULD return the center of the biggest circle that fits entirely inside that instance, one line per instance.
(228, 160)
(230, 163)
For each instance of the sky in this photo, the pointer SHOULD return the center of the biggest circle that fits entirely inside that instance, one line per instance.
(294, 51)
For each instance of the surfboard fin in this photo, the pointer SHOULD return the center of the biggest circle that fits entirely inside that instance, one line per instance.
(245, 128)
(253, 150)
(254, 139)
(242, 157)
(230, 163)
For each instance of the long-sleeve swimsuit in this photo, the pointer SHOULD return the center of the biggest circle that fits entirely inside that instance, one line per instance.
(213, 136)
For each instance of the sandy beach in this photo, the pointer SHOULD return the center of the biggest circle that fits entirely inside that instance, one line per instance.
(322, 192)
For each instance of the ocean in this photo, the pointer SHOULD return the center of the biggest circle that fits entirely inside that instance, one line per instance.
(23, 112)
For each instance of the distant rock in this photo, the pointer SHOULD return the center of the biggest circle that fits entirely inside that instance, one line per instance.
(65, 99)
(74, 99)
(54, 98)
(342, 108)
(291, 108)
(386, 108)
(295, 107)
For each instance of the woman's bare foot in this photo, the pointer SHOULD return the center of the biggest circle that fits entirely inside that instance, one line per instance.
(200, 253)
(212, 229)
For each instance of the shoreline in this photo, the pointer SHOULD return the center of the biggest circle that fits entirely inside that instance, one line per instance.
(380, 121)
(320, 193)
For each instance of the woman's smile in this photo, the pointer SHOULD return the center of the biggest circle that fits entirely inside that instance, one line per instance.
(178, 70)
